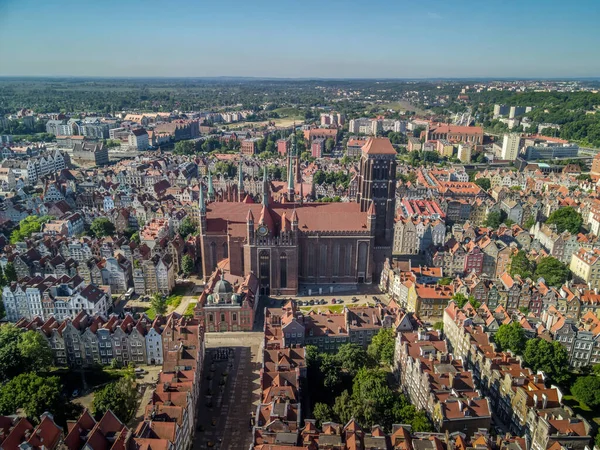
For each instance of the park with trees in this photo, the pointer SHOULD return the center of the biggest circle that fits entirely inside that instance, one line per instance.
(357, 383)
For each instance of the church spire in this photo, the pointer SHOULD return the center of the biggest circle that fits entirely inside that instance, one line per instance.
(240, 178)
(240, 183)
(265, 197)
(211, 189)
(293, 143)
(290, 182)
(202, 202)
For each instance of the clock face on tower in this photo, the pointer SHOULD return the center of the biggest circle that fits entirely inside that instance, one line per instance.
(262, 230)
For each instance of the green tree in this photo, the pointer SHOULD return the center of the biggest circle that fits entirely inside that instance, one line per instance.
(185, 148)
(351, 357)
(382, 346)
(319, 177)
(520, 265)
(120, 397)
(439, 325)
(187, 228)
(511, 337)
(10, 273)
(587, 390)
(187, 265)
(445, 281)
(135, 237)
(11, 363)
(460, 299)
(159, 304)
(329, 144)
(35, 351)
(31, 393)
(322, 412)
(484, 183)
(529, 223)
(493, 219)
(102, 226)
(566, 219)
(550, 357)
(344, 407)
(330, 370)
(28, 226)
(554, 272)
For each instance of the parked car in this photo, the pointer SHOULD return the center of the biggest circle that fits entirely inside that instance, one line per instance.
(312, 302)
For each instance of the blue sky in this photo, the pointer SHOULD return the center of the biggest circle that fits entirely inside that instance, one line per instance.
(301, 38)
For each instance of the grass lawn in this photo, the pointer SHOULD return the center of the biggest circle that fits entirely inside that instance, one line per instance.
(150, 313)
(174, 300)
(582, 409)
(189, 311)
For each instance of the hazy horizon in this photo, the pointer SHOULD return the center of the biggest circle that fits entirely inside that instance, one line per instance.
(270, 39)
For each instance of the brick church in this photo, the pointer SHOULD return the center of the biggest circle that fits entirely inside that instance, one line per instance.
(289, 243)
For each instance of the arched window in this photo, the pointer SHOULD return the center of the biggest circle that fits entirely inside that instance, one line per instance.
(213, 255)
(363, 250)
(264, 267)
(283, 270)
(225, 250)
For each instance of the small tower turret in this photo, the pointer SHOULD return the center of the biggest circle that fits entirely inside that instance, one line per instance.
(265, 194)
(294, 220)
(250, 227)
(371, 217)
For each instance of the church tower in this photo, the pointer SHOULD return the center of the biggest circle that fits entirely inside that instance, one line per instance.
(377, 187)
(240, 184)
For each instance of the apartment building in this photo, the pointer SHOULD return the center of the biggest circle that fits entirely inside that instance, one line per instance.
(62, 298)
(586, 267)
(518, 397)
(439, 384)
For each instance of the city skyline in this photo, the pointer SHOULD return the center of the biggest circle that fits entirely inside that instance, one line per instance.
(267, 39)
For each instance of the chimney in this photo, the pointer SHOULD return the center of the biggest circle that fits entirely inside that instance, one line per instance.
(450, 380)
(544, 401)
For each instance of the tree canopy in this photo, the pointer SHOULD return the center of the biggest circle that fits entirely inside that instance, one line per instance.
(159, 304)
(511, 337)
(187, 228)
(554, 272)
(185, 148)
(587, 390)
(484, 183)
(28, 226)
(566, 219)
(520, 264)
(187, 265)
(382, 346)
(102, 226)
(22, 352)
(550, 357)
(32, 393)
(119, 397)
(493, 219)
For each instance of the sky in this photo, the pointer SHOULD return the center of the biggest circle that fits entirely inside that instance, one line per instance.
(300, 38)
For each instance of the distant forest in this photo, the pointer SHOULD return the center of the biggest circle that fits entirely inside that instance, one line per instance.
(575, 112)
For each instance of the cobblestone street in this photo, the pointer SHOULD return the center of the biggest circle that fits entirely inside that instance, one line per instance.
(230, 390)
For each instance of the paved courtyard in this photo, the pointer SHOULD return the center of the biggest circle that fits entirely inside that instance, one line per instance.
(230, 390)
